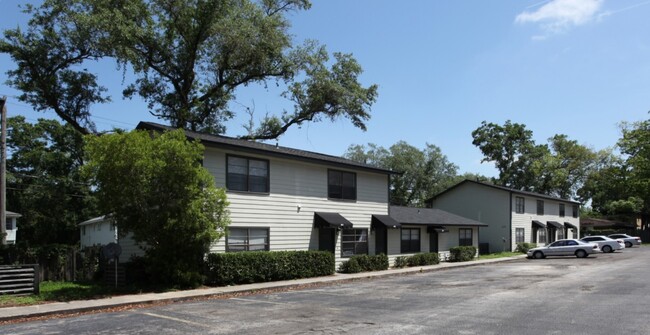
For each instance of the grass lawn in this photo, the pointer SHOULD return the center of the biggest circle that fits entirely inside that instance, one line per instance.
(500, 255)
(62, 291)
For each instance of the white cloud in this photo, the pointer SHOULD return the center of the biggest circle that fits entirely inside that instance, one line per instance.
(557, 16)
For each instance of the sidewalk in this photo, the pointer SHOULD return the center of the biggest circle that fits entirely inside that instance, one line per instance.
(9, 313)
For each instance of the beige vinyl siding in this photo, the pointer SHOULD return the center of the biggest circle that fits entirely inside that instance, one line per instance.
(483, 204)
(551, 213)
(297, 190)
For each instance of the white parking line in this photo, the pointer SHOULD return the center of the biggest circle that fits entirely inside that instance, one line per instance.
(262, 301)
(173, 319)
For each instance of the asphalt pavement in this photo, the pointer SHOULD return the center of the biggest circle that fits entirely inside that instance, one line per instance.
(138, 300)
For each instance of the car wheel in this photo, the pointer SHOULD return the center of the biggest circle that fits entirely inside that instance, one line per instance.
(628, 244)
(581, 253)
(607, 249)
(538, 255)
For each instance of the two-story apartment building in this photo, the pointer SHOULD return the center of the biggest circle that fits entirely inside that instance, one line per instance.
(512, 216)
(287, 199)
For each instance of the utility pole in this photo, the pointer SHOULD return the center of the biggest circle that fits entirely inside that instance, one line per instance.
(3, 171)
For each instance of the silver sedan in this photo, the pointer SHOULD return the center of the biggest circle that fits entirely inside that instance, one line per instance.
(605, 243)
(564, 248)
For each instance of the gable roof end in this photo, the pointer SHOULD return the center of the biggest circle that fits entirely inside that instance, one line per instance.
(503, 188)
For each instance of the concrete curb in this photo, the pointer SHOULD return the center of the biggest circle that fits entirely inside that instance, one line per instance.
(82, 306)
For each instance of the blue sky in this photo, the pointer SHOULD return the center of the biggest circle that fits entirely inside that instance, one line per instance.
(574, 67)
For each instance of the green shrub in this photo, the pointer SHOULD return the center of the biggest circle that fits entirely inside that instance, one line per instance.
(362, 263)
(462, 254)
(429, 258)
(523, 247)
(262, 266)
(401, 261)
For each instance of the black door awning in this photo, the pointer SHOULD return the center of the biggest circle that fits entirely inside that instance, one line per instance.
(539, 224)
(555, 224)
(437, 229)
(570, 225)
(385, 220)
(331, 220)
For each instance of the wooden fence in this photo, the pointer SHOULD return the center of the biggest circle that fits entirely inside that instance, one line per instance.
(19, 279)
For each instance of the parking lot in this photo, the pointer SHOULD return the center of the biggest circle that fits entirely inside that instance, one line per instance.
(605, 294)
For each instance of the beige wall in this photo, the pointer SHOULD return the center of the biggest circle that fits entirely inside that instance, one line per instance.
(297, 190)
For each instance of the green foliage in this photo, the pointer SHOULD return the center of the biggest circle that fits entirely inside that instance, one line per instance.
(523, 247)
(53, 291)
(363, 263)
(424, 173)
(559, 169)
(401, 262)
(462, 254)
(422, 259)
(499, 255)
(154, 186)
(188, 58)
(44, 181)
(262, 266)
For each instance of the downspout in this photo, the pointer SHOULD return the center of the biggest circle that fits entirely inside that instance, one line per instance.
(510, 225)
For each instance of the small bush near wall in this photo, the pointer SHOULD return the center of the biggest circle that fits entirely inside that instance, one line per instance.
(401, 261)
(524, 247)
(363, 263)
(462, 254)
(264, 266)
(430, 258)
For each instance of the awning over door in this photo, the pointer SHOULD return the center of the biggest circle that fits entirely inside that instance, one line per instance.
(331, 220)
(437, 229)
(385, 220)
(555, 224)
(569, 225)
(538, 224)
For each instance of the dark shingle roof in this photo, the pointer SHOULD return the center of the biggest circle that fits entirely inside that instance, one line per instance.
(266, 149)
(429, 216)
(503, 188)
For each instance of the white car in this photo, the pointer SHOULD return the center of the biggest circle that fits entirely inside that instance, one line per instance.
(605, 243)
(629, 240)
(564, 248)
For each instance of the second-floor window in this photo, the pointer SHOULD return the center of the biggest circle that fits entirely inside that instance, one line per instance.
(561, 210)
(247, 174)
(341, 185)
(519, 205)
(540, 207)
(575, 211)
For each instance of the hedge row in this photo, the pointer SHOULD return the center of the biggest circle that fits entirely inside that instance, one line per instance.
(363, 263)
(430, 258)
(523, 247)
(462, 254)
(256, 266)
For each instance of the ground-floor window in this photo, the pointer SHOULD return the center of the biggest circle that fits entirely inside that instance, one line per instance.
(247, 239)
(519, 235)
(354, 242)
(465, 237)
(560, 234)
(410, 240)
(542, 236)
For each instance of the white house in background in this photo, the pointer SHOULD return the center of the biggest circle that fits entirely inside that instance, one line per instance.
(511, 215)
(11, 225)
(97, 231)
